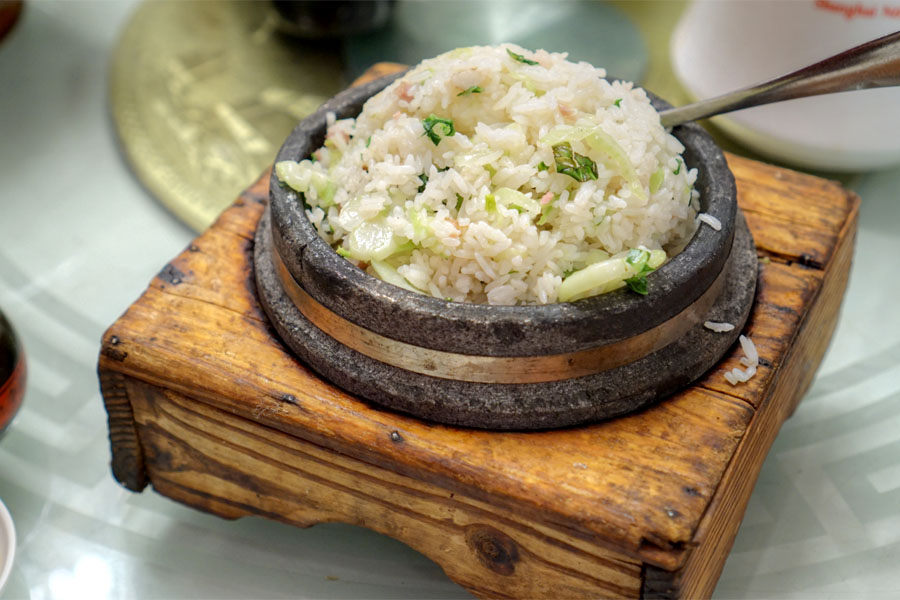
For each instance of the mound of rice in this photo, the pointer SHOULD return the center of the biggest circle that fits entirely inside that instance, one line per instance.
(499, 175)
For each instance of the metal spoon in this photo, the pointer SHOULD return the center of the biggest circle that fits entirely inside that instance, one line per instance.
(872, 65)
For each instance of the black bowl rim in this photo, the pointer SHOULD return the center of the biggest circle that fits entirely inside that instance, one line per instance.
(492, 330)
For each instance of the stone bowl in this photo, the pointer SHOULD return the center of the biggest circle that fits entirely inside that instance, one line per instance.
(504, 367)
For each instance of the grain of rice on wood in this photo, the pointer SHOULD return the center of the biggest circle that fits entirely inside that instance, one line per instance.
(448, 182)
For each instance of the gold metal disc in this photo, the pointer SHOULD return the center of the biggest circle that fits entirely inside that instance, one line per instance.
(204, 93)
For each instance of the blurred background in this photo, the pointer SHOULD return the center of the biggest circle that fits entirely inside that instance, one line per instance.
(126, 126)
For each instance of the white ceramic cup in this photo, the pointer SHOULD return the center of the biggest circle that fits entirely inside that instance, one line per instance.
(720, 46)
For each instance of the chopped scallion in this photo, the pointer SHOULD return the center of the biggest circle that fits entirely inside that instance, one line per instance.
(618, 102)
(475, 89)
(490, 203)
(520, 58)
(424, 179)
(542, 166)
(459, 202)
(434, 125)
(678, 170)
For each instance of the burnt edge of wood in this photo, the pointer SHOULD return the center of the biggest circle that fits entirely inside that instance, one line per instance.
(658, 583)
(128, 464)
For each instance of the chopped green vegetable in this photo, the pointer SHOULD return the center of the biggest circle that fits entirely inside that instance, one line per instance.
(389, 274)
(424, 179)
(373, 240)
(459, 202)
(404, 247)
(340, 250)
(603, 142)
(542, 166)
(618, 102)
(520, 58)
(434, 122)
(577, 166)
(638, 257)
(637, 284)
(490, 170)
(419, 223)
(545, 214)
(516, 200)
(613, 154)
(656, 179)
(475, 89)
(568, 272)
(490, 203)
(678, 170)
(597, 275)
(368, 141)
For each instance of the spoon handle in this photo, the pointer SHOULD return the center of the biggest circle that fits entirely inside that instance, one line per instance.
(871, 65)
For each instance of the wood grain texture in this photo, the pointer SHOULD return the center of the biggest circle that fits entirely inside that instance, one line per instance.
(128, 465)
(225, 419)
(222, 463)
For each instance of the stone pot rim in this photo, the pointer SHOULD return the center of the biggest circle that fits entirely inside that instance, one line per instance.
(496, 330)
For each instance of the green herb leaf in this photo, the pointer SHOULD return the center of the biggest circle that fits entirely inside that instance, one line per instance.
(678, 170)
(434, 125)
(459, 202)
(638, 257)
(521, 58)
(475, 89)
(577, 166)
(542, 166)
(424, 179)
(618, 102)
(637, 284)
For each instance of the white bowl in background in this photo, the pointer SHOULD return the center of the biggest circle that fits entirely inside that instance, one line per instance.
(718, 47)
(7, 544)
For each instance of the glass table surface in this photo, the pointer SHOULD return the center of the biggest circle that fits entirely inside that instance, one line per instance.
(79, 241)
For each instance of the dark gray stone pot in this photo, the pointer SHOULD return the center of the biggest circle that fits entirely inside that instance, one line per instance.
(499, 331)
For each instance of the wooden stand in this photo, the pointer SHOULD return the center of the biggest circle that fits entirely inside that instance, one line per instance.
(207, 405)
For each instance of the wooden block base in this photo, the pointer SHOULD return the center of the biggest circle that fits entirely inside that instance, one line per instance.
(207, 405)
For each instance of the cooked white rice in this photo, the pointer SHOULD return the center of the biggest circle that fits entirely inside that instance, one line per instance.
(710, 220)
(483, 215)
(750, 360)
(718, 327)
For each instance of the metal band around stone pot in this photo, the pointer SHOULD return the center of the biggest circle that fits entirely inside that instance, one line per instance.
(494, 369)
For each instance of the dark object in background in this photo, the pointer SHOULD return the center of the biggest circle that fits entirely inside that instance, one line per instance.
(9, 14)
(12, 373)
(312, 19)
